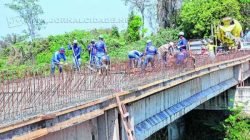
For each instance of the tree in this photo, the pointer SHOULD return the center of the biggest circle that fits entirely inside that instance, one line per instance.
(168, 12)
(152, 17)
(134, 25)
(245, 12)
(29, 11)
(198, 15)
(141, 6)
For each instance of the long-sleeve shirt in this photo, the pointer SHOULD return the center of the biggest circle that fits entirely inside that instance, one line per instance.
(247, 37)
(135, 52)
(92, 49)
(101, 47)
(77, 51)
(182, 42)
(56, 58)
(151, 50)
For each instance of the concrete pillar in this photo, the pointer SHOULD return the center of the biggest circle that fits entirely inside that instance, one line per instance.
(237, 72)
(176, 130)
(108, 126)
(231, 97)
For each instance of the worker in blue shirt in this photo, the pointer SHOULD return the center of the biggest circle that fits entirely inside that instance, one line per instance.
(77, 50)
(134, 58)
(92, 52)
(56, 60)
(150, 52)
(247, 36)
(180, 57)
(101, 51)
(182, 44)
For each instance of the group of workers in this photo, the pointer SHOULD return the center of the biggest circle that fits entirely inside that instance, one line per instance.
(98, 52)
(135, 56)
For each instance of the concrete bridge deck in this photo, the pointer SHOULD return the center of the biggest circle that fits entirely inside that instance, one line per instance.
(62, 109)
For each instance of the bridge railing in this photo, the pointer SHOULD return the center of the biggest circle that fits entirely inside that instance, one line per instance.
(34, 94)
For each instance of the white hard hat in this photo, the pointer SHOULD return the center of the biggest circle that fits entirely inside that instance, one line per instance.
(149, 41)
(181, 33)
(75, 41)
(171, 43)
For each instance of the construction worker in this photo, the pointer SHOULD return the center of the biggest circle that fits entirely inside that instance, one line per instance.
(56, 60)
(247, 36)
(92, 52)
(101, 51)
(247, 31)
(150, 52)
(134, 57)
(77, 50)
(211, 49)
(181, 56)
(164, 50)
(182, 44)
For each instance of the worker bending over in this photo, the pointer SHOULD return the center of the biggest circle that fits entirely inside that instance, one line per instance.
(56, 60)
(165, 50)
(135, 58)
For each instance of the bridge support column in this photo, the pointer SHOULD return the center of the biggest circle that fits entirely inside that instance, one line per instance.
(108, 126)
(176, 130)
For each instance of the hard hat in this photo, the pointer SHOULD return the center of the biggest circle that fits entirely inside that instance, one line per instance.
(92, 41)
(181, 33)
(62, 50)
(149, 41)
(171, 43)
(101, 36)
(75, 41)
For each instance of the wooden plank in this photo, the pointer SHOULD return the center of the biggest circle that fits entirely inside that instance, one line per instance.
(60, 126)
(126, 121)
(33, 135)
(21, 124)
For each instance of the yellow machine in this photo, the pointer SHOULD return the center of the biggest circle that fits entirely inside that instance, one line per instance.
(229, 32)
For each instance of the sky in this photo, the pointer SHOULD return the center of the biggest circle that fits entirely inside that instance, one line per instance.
(67, 15)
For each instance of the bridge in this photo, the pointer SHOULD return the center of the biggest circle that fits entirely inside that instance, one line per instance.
(83, 105)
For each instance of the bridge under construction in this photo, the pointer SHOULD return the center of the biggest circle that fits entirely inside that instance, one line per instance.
(85, 105)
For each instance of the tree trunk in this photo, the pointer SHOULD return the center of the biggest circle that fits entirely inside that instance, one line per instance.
(166, 10)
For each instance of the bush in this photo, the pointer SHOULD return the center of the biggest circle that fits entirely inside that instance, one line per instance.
(237, 126)
(134, 25)
(198, 15)
(115, 32)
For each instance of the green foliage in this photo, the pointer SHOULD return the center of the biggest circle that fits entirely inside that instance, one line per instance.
(198, 15)
(165, 36)
(36, 56)
(134, 24)
(115, 32)
(237, 126)
(245, 12)
(29, 11)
